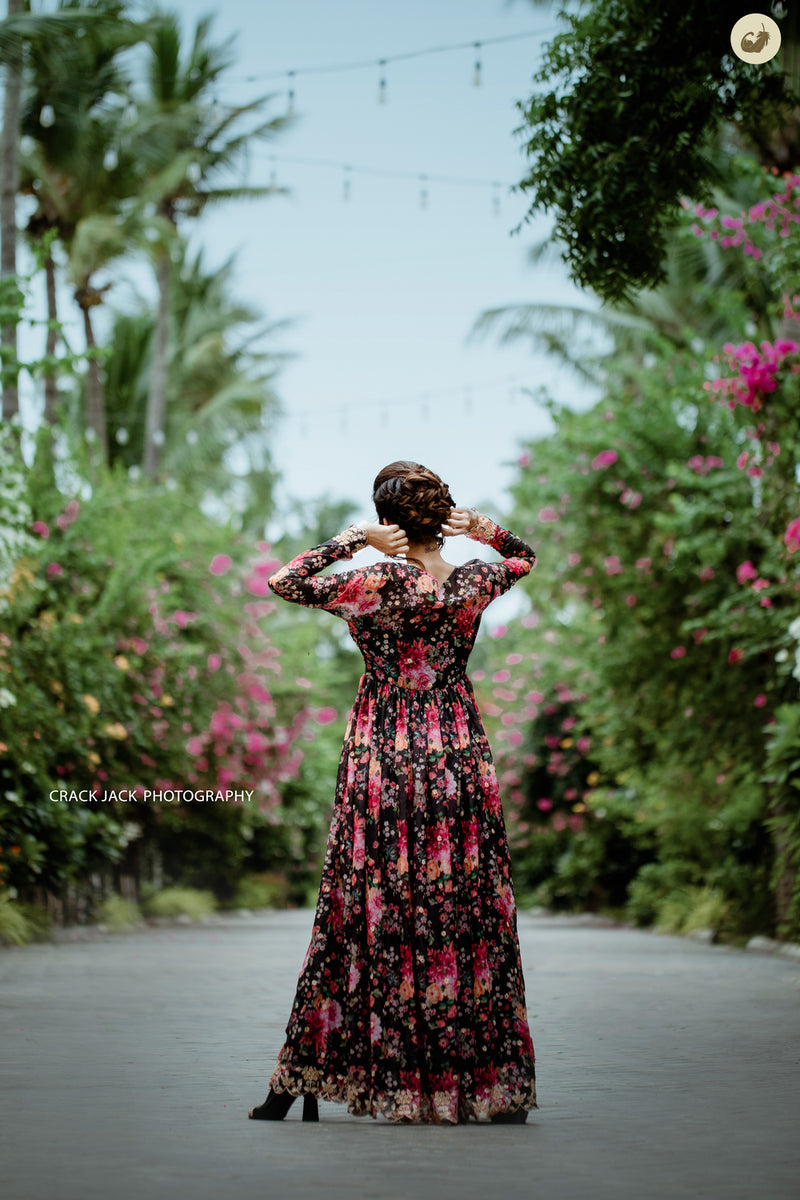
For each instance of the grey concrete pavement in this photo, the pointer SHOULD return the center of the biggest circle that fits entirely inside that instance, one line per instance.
(665, 1068)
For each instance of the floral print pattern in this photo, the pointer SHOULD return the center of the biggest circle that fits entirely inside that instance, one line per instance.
(411, 1002)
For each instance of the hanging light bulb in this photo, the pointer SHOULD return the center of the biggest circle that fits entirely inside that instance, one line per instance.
(122, 436)
(290, 107)
(110, 159)
(194, 172)
(130, 114)
(26, 144)
(496, 199)
(47, 116)
(423, 191)
(346, 184)
(476, 78)
(382, 82)
(157, 437)
(273, 176)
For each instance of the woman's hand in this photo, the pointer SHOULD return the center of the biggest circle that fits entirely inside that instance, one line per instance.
(388, 539)
(461, 520)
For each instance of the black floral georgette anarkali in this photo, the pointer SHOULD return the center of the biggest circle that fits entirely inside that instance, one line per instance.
(411, 1000)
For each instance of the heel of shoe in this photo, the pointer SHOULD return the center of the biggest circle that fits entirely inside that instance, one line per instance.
(310, 1108)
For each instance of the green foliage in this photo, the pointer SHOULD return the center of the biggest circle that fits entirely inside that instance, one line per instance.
(621, 126)
(118, 913)
(181, 902)
(15, 928)
(264, 890)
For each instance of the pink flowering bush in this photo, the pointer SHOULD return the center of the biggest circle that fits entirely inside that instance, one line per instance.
(151, 670)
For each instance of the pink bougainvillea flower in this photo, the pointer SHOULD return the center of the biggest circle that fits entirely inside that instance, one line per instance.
(182, 618)
(604, 459)
(745, 571)
(40, 528)
(792, 536)
(69, 515)
(54, 569)
(499, 631)
(548, 514)
(760, 584)
(501, 676)
(583, 744)
(613, 565)
(257, 585)
(736, 655)
(760, 701)
(706, 574)
(220, 564)
(678, 652)
(213, 662)
(326, 715)
(644, 564)
(573, 559)
(544, 803)
(631, 600)
(741, 461)
(523, 460)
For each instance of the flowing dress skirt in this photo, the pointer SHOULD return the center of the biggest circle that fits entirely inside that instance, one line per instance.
(411, 1002)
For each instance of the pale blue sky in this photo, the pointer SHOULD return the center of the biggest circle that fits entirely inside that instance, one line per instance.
(384, 292)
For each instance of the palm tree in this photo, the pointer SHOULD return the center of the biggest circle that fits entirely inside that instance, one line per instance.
(71, 166)
(220, 398)
(8, 210)
(190, 146)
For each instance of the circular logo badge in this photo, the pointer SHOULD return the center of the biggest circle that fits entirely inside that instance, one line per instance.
(755, 38)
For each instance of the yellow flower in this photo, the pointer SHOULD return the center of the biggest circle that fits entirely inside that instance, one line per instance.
(93, 757)
(47, 618)
(56, 687)
(608, 741)
(166, 701)
(91, 703)
(122, 662)
(116, 730)
(579, 807)
(76, 618)
(566, 743)
(592, 778)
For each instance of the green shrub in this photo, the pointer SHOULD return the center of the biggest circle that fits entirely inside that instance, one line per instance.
(118, 913)
(262, 891)
(179, 902)
(15, 928)
(692, 908)
(658, 886)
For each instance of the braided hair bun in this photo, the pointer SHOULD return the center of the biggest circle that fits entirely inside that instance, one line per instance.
(413, 497)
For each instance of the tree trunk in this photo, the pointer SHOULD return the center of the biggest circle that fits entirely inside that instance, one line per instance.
(157, 397)
(50, 388)
(8, 217)
(95, 400)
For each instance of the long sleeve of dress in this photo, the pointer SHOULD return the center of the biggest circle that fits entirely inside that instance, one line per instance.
(347, 594)
(519, 558)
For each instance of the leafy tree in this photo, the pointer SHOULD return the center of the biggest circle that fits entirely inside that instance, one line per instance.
(189, 144)
(623, 124)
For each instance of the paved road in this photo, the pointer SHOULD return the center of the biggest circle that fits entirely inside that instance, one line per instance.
(666, 1069)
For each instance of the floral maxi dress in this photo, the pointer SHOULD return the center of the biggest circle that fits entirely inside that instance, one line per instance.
(411, 1000)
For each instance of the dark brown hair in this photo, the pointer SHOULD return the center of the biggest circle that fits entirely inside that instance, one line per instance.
(413, 497)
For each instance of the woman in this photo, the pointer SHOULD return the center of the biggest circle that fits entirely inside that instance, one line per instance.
(411, 999)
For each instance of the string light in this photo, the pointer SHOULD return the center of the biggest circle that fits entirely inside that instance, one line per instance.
(382, 82)
(346, 184)
(476, 78)
(110, 159)
(362, 64)
(423, 191)
(290, 108)
(386, 406)
(47, 116)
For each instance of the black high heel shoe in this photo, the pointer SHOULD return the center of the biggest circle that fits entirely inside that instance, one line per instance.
(518, 1117)
(277, 1105)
